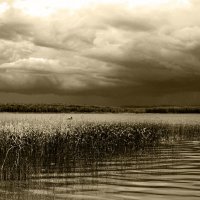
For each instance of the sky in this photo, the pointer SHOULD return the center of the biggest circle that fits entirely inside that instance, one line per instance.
(100, 52)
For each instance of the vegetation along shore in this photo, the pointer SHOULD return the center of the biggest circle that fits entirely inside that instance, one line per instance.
(31, 145)
(64, 108)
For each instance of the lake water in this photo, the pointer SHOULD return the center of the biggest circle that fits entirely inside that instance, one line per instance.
(167, 172)
(108, 117)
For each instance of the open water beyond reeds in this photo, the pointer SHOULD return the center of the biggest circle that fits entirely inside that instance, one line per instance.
(169, 170)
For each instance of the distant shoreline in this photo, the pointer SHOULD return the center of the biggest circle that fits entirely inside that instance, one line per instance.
(62, 108)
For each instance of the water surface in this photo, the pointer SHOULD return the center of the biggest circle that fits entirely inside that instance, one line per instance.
(167, 172)
(104, 117)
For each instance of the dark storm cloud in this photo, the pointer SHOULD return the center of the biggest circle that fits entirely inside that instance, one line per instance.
(102, 51)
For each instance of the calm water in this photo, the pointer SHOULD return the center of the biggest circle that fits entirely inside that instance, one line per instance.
(122, 117)
(167, 172)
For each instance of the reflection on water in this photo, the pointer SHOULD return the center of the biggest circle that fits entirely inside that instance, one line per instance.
(166, 172)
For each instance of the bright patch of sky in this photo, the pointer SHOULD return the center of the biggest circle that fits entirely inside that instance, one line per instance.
(47, 7)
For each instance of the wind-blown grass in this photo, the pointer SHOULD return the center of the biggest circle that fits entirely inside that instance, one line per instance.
(28, 147)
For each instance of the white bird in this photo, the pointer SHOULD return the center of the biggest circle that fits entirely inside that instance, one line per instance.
(69, 118)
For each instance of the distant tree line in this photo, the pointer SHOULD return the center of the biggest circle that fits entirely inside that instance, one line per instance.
(63, 108)
(58, 108)
(173, 110)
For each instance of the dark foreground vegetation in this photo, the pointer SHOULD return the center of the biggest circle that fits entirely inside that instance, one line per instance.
(62, 108)
(23, 153)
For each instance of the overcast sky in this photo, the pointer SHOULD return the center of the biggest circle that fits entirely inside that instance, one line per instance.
(103, 52)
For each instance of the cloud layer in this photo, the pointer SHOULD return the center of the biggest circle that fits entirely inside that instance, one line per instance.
(105, 50)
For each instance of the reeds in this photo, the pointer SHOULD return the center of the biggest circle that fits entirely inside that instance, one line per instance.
(28, 147)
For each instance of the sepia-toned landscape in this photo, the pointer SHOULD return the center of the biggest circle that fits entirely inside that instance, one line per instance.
(99, 99)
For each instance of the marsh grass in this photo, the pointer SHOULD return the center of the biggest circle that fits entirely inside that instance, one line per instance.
(32, 147)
